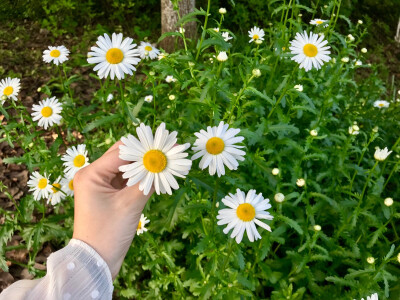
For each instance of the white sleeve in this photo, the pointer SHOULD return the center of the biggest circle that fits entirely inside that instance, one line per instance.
(76, 271)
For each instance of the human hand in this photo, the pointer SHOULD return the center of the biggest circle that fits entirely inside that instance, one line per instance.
(107, 212)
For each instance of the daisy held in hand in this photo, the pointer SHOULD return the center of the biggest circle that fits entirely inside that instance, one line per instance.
(310, 50)
(243, 214)
(57, 55)
(217, 147)
(75, 159)
(114, 56)
(56, 194)
(155, 159)
(47, 112)
(9, 88)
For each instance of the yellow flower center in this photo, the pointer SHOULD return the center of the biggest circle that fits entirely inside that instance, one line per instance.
(319, 22)
(55, 53)
(139, 225)
(154, 161)
(47, 111)
(71, 185)
(215, 145)
(310, 50)
(381, 104)
(114, 56)
(79, 160)
(8, 91)
(246, 212)
(42, 183)
(255, 37)
(56, 187)
(148, 48)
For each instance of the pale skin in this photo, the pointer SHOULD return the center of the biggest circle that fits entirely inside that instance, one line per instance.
(107, 212)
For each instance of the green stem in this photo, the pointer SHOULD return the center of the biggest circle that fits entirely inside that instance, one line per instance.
(203, 34)
(288, 83)
(238, 97)
(315, 10)
(366, 183)
(66, 79)
(359, 161)
(228, 255)
(213, 206)
(391, 173)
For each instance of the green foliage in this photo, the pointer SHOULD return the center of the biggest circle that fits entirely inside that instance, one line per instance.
(185, 255)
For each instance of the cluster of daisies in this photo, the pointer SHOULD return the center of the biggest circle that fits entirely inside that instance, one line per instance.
(42, 187)
(155, 160)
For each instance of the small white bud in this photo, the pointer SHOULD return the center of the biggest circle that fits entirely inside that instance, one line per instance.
(388, 201)
(222, 56)
(222, 10)
(275, 171)
(279, 197)
(317, 228)
(171, 97)
(300, 182)
(364, 50)
(258, 42)
(256, 72)
(108, 141)
(360, 22)
(152, 73)
(314, 132)
(39, 89)
(298, 87)
(370, 260)
(345, 59)
(351, 38)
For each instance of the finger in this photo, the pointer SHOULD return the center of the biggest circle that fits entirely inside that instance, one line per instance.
(115, 146)
(107, 165)
(133, 195)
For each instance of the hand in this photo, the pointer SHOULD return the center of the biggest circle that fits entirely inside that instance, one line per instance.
(107, 212)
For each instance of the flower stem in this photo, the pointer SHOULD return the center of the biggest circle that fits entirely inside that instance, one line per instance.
(203, 34)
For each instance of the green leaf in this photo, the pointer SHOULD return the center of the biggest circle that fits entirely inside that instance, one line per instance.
(101, 121)
(291, 223)
(168, 34)
(189, 17)
(3, 264)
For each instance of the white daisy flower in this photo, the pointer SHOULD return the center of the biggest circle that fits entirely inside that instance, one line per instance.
(56, 194)
(222, 56)
(67, 186)
(216, 29)
(148, 51)
(155, 159)
(310, 51)
(148, 98)
(318, 22)
(382, 154)
(170, 79)
(57, 55)
(75, 159)
(243, 214)
(9, 87)
(256, 34)
(114, 56)
(217, 148)
(142, 222)
(47, 112)
(381, 103)
(358, 63)
(226, 36)
(39, 185)
(162, 55)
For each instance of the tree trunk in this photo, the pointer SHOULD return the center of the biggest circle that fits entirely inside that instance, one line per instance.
(169, 17)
